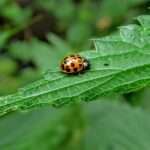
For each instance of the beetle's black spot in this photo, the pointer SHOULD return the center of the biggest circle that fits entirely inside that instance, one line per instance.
(106, 64)
(75, 69)
(79, 57)
(72, 64)
(67, 69)
(80, 65)
(65, 61)
(65, 58)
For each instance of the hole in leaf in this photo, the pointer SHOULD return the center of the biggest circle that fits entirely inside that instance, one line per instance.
(106, 64)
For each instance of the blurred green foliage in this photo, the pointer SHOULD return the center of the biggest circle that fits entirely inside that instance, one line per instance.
(34, 36)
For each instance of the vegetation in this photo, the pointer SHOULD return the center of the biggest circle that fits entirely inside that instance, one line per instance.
(106, 107)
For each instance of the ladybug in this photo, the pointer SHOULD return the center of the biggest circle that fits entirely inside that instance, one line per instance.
(74, 64)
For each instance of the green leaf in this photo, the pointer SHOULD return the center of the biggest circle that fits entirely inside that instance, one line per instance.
(116, 127)
(47, 127)
(113, 45)
(121, 70)
(125, 72)
(135, 35)
(144, 21)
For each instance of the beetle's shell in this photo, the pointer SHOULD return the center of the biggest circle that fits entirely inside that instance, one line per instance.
(74, 64)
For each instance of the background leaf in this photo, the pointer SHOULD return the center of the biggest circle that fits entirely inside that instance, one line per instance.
(116, 127)
(24, 129)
